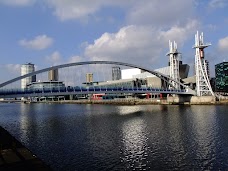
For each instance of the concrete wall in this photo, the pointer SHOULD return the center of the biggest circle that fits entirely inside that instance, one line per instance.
(154, 82)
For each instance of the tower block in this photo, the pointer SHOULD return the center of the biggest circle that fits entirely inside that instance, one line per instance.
(203, 87)
(174, 60)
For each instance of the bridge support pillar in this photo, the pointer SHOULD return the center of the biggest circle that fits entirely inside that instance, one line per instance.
(191, 99)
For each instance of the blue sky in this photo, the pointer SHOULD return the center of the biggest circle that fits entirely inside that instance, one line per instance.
(51, 32)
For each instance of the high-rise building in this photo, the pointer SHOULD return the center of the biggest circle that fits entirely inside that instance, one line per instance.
(53, 75)
(89, 77)
(26, 69)
(116, 73)
(221, 77)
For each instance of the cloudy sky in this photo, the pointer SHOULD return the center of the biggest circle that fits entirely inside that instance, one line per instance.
(51, 32)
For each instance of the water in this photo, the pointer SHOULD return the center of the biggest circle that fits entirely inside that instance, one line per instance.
(109, 137)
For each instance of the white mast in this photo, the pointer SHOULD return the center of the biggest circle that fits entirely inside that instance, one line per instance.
(203, 87)
(174, 64)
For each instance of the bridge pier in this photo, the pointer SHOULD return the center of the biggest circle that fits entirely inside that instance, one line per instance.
(191, 99)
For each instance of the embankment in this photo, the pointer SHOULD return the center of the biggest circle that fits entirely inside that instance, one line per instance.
(14, 156)
(131, 101)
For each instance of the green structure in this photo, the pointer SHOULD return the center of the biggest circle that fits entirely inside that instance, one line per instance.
(221, 74)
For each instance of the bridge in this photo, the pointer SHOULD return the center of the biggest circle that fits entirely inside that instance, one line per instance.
(72, 76)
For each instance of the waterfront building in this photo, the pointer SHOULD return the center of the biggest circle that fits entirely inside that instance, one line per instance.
(26, 69)
(89, 77)
(212, 82)
(221, 77)
(53, 75)
(45, 85)
(126, 83)
(183, 71)
(116, 73)
(129, 73)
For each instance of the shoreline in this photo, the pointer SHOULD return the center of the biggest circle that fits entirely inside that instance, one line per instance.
(124, 102)
(15, 156)
(135, 102)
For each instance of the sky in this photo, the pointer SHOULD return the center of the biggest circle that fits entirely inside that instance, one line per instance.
(52, 32)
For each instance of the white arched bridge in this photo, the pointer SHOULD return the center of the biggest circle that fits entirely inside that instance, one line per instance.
(73, 82)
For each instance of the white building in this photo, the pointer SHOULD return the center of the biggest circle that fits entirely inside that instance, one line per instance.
(26, 69)
(164, 70)
(129, 73)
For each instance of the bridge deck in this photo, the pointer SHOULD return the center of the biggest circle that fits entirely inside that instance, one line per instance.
(91, 90)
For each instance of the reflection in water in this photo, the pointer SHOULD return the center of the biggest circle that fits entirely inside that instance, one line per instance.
(109, 137)
(134, 138)
(123, 110)
(24, 122)
(205, 129)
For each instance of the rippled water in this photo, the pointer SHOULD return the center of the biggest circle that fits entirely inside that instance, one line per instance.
(109, 137)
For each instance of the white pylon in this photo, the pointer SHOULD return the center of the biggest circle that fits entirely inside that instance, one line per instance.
(174, 64)
(203, 86)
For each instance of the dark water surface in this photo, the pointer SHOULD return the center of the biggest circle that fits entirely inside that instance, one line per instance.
(109, 137)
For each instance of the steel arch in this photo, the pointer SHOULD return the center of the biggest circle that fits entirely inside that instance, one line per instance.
(158, 74)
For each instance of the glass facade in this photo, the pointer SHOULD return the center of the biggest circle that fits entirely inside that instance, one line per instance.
(221, 74)
(44, 85)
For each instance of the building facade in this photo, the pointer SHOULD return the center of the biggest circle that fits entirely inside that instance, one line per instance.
(221, 77)
(53, 75)
(129, 73)
(26, 69)
(46, 85)
(89, 77)
(116, 73)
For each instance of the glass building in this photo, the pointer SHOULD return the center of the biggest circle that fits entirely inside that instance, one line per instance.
(46, 85)
(221, 74)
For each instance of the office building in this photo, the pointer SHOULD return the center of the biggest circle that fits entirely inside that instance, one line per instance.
(53, 75)
(89, 77)
(221, 77)
(26, 69)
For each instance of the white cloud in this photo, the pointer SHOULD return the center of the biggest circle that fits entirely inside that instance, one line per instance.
(13, 68)
(223, 44)
(38, 43)
(137, 12)
(181, 34)
(17, 2)
(77, 9)
(160, 13)
(75, 59)
(55, 58)
(218, 3)
(138, 44)
(72, 9)
(9, 71)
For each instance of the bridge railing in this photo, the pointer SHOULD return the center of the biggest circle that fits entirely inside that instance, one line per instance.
(85, 90)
